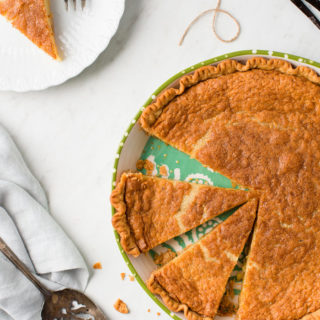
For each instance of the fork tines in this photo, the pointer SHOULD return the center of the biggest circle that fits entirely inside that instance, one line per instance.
(83, 4)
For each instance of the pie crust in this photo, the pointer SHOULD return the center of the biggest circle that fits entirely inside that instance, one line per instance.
(154, 110)
(33, 18)
(195, 281)
(258, 123)
(151, 210)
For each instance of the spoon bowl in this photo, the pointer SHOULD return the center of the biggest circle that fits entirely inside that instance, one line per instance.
(70, 304)
(66, 304)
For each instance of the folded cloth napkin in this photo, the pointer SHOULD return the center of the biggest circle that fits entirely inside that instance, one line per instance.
(30, 231)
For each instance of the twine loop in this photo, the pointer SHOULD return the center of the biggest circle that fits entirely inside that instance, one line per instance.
(215, 11)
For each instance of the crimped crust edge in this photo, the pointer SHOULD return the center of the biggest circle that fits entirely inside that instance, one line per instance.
(119, 220)
(154, 110)
(172, 304)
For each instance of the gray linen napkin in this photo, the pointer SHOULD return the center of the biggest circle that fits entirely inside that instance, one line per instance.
(30, 231)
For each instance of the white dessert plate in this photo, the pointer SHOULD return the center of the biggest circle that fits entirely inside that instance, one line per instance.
(81, 37)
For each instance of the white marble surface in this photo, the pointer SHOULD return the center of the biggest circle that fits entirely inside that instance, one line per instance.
(69, 134)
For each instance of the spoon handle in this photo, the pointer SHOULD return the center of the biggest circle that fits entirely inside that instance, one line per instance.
(4, 248)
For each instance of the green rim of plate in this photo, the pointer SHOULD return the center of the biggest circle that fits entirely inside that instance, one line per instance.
(266, 53)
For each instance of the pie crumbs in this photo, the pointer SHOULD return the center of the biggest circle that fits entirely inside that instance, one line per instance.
(97, 265)
(163, 171)
(120, 306)
(140, 164)
(164, 257)
(145, 164)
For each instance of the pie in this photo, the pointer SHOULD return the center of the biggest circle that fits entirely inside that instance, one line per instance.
(258, 123)
(151, 210)
(33, 18)
(195, 281)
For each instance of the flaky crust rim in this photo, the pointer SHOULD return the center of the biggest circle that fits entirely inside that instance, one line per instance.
(154, 110)
(174, 305)
(119, 220)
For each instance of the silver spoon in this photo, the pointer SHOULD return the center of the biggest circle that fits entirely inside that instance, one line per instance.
(66, 304)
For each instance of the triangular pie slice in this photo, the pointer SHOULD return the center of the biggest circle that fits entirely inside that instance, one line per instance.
(196, 280)
(33, 18)
(151, 210)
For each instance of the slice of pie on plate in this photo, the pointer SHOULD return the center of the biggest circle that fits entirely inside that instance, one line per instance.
(195, 281)
(151, 210)
(33, 18)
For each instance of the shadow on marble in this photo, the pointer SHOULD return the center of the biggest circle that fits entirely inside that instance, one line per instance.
(117, 43)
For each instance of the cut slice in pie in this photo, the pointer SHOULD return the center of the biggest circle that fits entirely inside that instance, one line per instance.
(151, 210)
(195, 281)
(33, 18)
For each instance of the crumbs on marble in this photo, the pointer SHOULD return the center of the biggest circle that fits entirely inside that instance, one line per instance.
(120, 306)
(97, 265)
(122, 275)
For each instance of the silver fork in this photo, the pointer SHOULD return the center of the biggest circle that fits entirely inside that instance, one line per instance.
(66, 2)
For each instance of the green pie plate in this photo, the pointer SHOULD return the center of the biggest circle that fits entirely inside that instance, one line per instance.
(136, 145)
